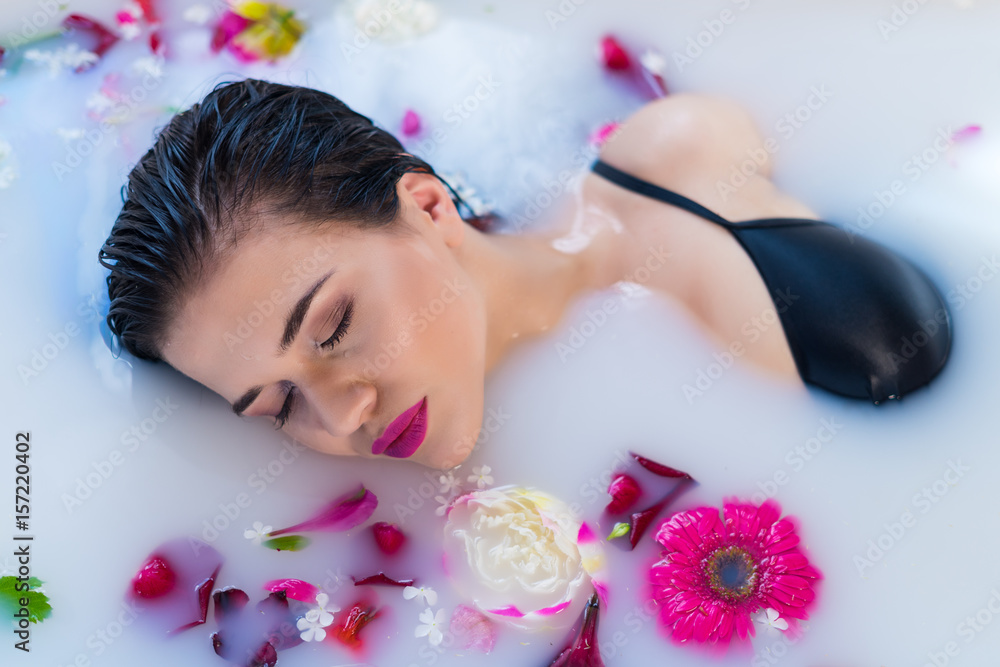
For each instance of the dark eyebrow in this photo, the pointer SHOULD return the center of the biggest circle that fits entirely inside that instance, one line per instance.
(294, 320)
(292, 325)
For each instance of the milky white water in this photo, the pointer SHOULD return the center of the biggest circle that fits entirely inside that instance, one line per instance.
(560, 421)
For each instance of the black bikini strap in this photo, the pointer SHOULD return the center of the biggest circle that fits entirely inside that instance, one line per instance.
(637, 185)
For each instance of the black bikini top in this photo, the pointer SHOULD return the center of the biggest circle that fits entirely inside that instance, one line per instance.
(866, 323)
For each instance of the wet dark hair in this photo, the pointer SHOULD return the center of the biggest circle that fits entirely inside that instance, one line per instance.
(249, 150)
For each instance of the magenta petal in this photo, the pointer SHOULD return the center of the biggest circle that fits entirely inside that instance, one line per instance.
(296, 589)
(584, 651)
(585, 535)
(411, 123)
(966, 132)
(344, 513)
(230, 25)
(509, 610)
(472, 629)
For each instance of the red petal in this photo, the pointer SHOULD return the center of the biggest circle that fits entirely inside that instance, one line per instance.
(156, 578)
(614, 55)
(388, 537)
(105, 39)
(584, 651)
(624, 492)
(355, 619)
(381, 579)
(659, 468)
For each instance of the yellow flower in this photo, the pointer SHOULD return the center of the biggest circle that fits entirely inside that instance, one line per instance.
(274, 32)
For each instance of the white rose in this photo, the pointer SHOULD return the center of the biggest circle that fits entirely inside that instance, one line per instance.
(514, 553)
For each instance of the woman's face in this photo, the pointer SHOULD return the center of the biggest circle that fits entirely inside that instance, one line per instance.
(354, 339)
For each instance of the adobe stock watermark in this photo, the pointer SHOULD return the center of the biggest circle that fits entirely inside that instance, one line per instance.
(416, 323)
(924, 500)
(913, 169)
(786, 127)
(292, 278)
(968, 629)
(457, 114)
(656, 259)
(259, 481)
(93, 137)
(900, 15)
(797, 458)
(418, 496)
(57, 341)
(33, 24)
(752, 330)
(131, 440)
(702, 41)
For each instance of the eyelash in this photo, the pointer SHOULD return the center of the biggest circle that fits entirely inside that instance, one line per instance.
(286, 408)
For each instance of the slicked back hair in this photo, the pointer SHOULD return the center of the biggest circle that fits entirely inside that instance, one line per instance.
(249, 150)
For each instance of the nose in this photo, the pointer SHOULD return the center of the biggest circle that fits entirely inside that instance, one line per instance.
(342, 408)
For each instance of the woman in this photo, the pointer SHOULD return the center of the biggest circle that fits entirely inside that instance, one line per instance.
(278, 248)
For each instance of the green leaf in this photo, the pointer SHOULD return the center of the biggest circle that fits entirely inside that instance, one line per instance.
(621, 528)
(287, 543)
(38, 603)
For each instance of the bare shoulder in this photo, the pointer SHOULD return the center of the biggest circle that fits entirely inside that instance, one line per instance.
(681, 134)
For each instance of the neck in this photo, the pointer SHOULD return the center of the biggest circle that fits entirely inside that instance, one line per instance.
(526, 283)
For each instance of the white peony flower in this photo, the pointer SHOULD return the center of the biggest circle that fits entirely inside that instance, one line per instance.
(514, 553)
(395, 20)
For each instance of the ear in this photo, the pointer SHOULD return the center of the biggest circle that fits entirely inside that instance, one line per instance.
(434, 206)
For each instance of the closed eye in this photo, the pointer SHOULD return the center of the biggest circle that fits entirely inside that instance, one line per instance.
(345, 323)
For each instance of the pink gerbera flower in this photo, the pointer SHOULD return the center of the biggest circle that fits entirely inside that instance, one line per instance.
(715, 572)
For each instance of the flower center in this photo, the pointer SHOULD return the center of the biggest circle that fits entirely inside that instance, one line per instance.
(732, 573)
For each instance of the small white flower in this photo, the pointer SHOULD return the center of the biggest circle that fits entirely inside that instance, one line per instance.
(429, 595)
(654, 62)
(151, 65)
(771, 619)
(71, 57)
(258, 531)
(68, 134)
(444, 504)
(130, 30)
(316, 619)
(198, 14)
(433, 625)
(449, 483)
(99, 102)
(481, 476)
(309, 628)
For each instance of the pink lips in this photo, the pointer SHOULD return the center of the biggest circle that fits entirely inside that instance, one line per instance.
(405, 434)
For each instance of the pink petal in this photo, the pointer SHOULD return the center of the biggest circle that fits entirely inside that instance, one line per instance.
(510, 610)
(549, 611)
(613, 54)
(411, 123)
(966, 132)
(103, 37)
(585, 535)
(294, 588)
(472, 629)
(230, 25)
(341, 514)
